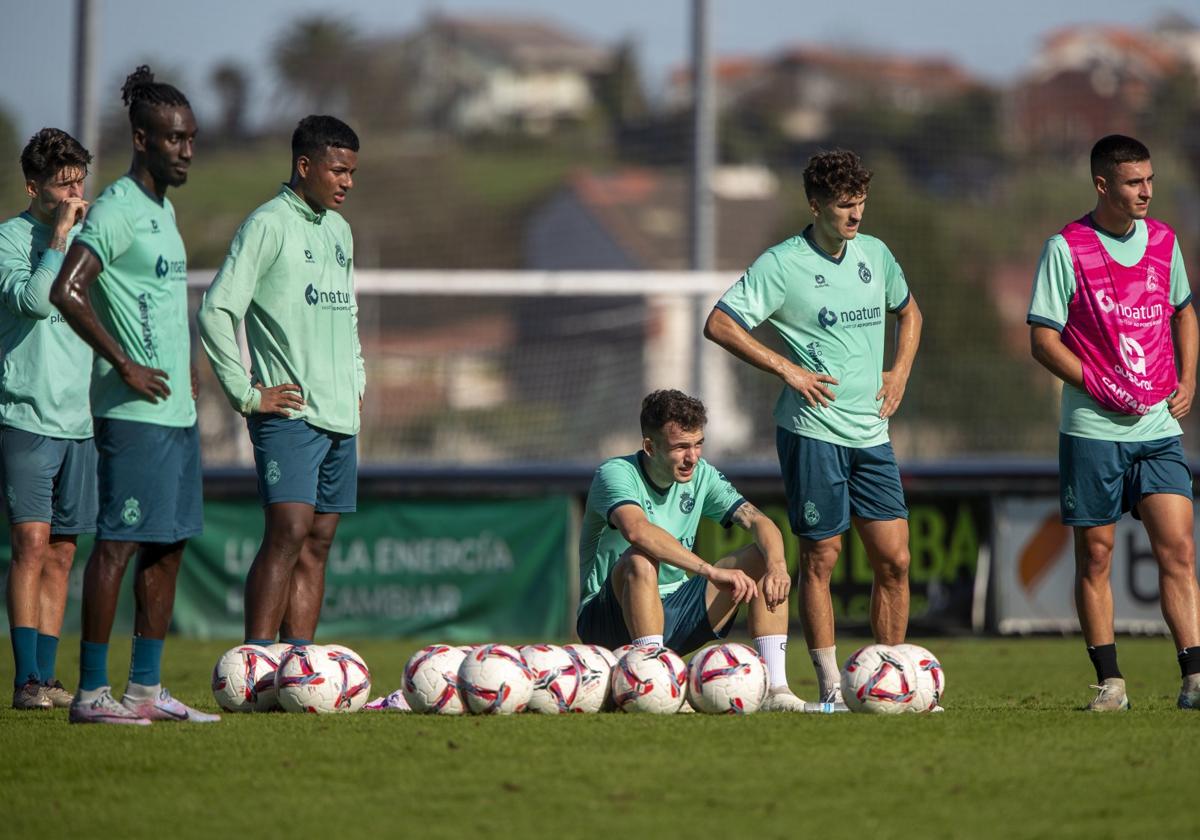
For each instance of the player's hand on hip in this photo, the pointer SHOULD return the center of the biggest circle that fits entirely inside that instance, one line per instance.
(734, 581)
(891, 393)
(814, 387)
(280, 399)
(1180, 403)
(776, 586)
(150, 382)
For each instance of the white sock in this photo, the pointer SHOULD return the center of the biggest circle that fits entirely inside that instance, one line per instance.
(137, 691)
(654, 641)
(90, 695)
(773, 650)
(829, 674)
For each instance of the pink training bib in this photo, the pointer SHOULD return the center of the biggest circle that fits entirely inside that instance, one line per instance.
(1119, 320)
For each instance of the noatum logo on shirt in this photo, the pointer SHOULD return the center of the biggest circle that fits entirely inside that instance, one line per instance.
(163, 267)
(313, 296)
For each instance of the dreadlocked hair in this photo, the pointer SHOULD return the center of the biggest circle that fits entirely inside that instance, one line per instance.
(141, 94)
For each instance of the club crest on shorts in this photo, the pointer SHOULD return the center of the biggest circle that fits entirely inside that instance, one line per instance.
(687, 502)
(864, 273)
(10, 493)
(131, 514)
(811, 515)
(1069, 498)
(272, 474)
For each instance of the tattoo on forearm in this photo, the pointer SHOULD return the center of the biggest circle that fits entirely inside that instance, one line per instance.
(59, 243)
(745, 515)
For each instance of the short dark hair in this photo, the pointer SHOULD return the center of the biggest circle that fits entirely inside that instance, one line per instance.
(833, 175)
(50, 151)
(141, 95)
(663, 407)
(1115, 149)
(316, 133)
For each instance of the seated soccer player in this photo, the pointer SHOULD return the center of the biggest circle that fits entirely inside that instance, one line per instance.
(635, 553)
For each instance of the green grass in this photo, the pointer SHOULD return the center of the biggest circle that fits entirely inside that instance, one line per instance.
(1012, 757)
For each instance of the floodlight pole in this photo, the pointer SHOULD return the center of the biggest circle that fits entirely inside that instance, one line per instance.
(86, 122)
(701, 216)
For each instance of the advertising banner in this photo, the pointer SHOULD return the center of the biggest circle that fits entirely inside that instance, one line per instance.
(458, 570)
(947, 537)
(1034, 572)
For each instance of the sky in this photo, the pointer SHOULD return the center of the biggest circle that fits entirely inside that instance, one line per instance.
(993, 40)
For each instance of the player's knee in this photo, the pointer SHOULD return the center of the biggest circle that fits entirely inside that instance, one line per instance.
(895, 566)
(1177, 556)
(1094, 560)
(637, 570)
(751, 561)
(287, 534)
(29, 548)
(818, 559)
(58, 562)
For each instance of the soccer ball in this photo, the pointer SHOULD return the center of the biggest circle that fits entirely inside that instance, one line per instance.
(727, 679)
(243, 680)
(879, 679)
(650, 679)
(309, 680)
(931, 679)
(431, 680)
(619, 653)
(594, 665)
(494, 680)
(556, 679)
(356, 679)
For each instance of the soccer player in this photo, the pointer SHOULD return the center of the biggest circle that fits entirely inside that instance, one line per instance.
(47, 456)
(290, 276)
(635, 553)
(827, 292)
(1111, 317)
(123, 288)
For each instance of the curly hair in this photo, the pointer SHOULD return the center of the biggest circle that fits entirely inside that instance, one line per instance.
(49, 152)
(663, 407)
(830, 176)
(141, 95)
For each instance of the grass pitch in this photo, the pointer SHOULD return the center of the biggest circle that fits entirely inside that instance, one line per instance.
(1012, 757)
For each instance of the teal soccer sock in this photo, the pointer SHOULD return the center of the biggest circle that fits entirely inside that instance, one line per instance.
(24, 646)
(145, 667)
(47, 657)
(93, 665)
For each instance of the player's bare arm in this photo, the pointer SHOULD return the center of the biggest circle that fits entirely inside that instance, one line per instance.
(726, 332)
(776, 583)
(1048, 349)
(908, 338)
(71, 295)
(644, 535)
(1186, 334)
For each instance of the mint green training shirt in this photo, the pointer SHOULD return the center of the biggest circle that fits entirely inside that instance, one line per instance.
(141, 299)
(676, 509)
(45, 372)
(290, 275)
(832, 315)
(1053, 288)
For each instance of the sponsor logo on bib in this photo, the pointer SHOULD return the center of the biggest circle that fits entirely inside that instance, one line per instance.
(1133, 354)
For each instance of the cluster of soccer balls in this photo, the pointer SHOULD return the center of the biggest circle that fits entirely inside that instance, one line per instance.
(891, 679)
(307, 678)
(499, 679)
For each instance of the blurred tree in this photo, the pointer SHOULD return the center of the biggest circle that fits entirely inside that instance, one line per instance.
(12, 198)
(315, 58)
(233, 87)
(619, 90)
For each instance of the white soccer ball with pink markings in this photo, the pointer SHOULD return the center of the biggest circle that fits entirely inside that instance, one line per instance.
(356, 678)
(556, 679)
(431, 680)
(650, 679)
(309, 680)
(243, 680)
(495, 680)
(879, 679)
(930, 678)
(595, 665)
(727, 679)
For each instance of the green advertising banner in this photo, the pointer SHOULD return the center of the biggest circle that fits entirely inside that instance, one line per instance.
(457, 570)
(945, 537)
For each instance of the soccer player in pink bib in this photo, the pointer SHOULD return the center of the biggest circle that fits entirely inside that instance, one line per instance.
(1111, 317)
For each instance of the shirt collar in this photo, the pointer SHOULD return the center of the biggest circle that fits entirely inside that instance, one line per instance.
(300, 205)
